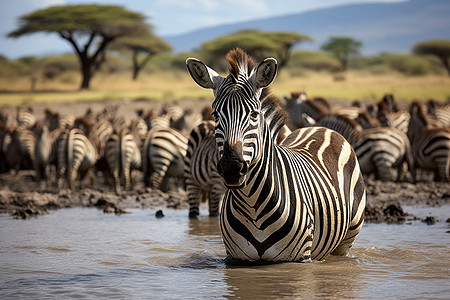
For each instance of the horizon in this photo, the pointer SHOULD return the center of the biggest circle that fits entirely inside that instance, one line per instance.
(190, 15)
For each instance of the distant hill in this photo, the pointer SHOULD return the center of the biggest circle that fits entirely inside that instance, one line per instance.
(382, 27)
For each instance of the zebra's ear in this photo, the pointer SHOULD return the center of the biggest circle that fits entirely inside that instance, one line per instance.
(265, 73)
(202, 74)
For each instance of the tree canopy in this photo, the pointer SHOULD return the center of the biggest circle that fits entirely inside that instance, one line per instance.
(148, 45)
(439, 48)
(257, 43)
(342, 48)
(88, 28)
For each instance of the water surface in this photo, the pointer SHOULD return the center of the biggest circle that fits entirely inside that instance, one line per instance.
(83, 253)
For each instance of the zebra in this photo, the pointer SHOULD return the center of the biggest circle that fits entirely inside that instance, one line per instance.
(76, 155)
(123, 155)
(298, 201)
(378, 149)
(440, 112)
(303, 112)
(46, 152)
(200, 169)
(163, 155)
(55, 120)
(395, 119)
(430, 145)
(5, 140)
(20, 148)
(25, 117)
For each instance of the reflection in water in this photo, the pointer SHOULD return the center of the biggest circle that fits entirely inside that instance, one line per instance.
(337, 277)
(85, 253)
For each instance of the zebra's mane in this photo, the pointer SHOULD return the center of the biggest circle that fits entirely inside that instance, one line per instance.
(243, 64)
(240, 63)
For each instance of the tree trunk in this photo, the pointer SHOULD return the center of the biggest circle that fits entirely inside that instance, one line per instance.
(135, 65)
(446, 64)
(86, 73)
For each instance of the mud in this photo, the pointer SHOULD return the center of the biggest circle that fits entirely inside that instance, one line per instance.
(22, 197)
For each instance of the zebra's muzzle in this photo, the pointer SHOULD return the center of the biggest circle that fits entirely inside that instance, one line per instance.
(232, 166)
(233, 172)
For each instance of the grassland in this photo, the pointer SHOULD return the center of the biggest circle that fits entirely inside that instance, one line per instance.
(167, 86)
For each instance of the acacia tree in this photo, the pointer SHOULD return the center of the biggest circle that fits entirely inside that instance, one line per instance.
(257, 43)
(148, 45)
(88, 28)
(342, 48)
(439, 48)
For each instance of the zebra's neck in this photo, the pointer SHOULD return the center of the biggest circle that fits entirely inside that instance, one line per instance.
(262, 189)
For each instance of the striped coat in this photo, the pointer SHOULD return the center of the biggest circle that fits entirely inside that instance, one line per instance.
(301, 200)
(76, 156)
(163, 156)
(123, 155)
(200, 169)
(430, 145)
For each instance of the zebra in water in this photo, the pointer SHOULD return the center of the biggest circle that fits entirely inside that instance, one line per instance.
(430, 145)
(123, 156)
(76, 155)
(378, 149)
(163, 156)
(301, 200)
(200, 169)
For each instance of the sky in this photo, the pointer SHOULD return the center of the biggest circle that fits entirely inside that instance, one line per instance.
(168, 17)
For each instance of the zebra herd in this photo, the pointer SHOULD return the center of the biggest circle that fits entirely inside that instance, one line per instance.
(64, 149)
(289, 172)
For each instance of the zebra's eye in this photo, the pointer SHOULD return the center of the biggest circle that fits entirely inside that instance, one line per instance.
(254, 115)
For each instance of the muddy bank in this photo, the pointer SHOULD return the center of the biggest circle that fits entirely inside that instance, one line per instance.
(22, 197)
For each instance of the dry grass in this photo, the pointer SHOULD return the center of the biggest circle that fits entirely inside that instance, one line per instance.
(178, 85)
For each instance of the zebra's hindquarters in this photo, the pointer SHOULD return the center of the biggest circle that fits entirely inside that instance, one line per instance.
(163, 155)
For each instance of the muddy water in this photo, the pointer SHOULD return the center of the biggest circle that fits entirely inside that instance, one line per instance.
(83, 253)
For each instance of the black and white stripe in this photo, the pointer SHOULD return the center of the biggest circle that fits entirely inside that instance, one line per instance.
(46, 152)
(76, 156)
(163, 156)
(299, 201)
(123, 156)
(200, 169)
(430, 145)
(378, 149)
(25, 117)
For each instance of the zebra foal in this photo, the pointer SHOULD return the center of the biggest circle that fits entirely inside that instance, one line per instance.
(301, 200)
